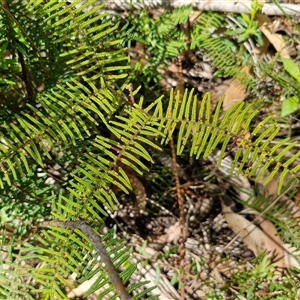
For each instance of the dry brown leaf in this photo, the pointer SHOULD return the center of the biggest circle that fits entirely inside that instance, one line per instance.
(264, 47)
(236, 91)
(218, 92)
(139, 191)
(290, 257)
(172, 234)
(260, 241)
(255, 238)
(270, 230)
(140, 56)
(291, 206)
(272, 187)
(266, 26)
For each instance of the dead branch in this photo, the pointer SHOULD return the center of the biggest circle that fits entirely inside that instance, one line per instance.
(242, 6)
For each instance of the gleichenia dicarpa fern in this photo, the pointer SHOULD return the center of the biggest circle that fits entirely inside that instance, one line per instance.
(57, 121)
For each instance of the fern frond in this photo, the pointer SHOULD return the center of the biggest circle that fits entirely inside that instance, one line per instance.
(77, 260)
(98, 173)
(85, 35)
(208, 133)
(222, 51)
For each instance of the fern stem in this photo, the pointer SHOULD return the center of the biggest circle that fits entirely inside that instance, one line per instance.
(181, 218)
(95, 240)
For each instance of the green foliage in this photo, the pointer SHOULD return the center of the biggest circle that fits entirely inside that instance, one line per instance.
(161, 37)
(290, 105)
(249, 27)
(263, 278)
(83, 120)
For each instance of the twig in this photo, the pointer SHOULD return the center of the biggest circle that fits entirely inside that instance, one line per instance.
(204, 5)
(95, 240)
(181, 218)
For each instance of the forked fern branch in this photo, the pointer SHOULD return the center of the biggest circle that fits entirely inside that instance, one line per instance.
(70, 111)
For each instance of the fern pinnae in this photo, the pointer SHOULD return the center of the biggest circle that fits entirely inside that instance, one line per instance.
(272, 174)
(195, 125)
(66, 209)
(140, 151)
(93, 19)
(177, 111)
(76, 129)
(262, 155)
(236, 123)
(209, 127)
(133, 158)
(269, 133)
(68, 130)
(263, 170)
(261, 125)
(251, 116)
(284, 151)
(280, 144)
(104, 294)
(219, 135)
(94, 214)
(216, 132)
(184, 111)
(102, 33)
(194, 109)
(231, 116)
(132, 166)
(184, 100)
(293, 158)
(245, 114)
(32, 149)
(105, 196)
(184, 126)
(217, 111)
(128, 272)
(120, 254)
(197, 141)
(38, 130)
(169, 116)
(99, 284)
(223, 148)
(252, 153)
(192, 125)
(201, 139)
(157, 115)
(95, 205)
(237, 155)
(70, 202)
(150, 143)
(125, 180)
(125, 128)
(151, 130)
(285, 183)
(81, 185)
(12, 169)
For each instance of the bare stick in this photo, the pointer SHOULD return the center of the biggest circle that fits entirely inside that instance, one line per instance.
(241, 6)
(95, 240)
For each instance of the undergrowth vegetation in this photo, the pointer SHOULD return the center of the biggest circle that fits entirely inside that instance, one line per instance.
(102, 113)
